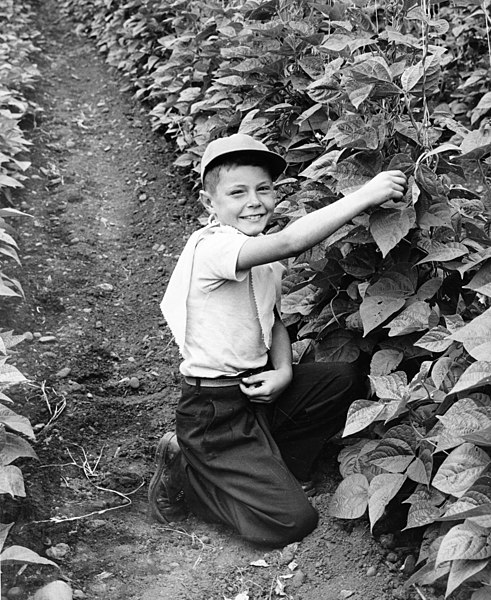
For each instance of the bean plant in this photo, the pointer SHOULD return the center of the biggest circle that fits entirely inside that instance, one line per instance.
(345, 89)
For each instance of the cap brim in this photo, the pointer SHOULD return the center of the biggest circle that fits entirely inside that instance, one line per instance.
(275, 163)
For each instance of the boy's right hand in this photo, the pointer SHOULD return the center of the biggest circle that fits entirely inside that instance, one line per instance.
(387, 185)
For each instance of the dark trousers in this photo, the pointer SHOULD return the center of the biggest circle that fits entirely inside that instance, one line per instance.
(242, 459)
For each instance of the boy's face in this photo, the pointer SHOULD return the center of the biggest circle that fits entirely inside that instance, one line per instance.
(244, 198)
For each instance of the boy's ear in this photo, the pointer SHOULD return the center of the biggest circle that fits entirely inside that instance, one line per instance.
(205, 199)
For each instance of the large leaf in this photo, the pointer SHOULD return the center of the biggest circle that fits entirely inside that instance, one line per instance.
(429, 288)
(390, 226)
(390, 387)
(16, 422)
(15, 447)
(413, 318)
(15, 554)
(323, 166)
(10, 375)
(461, 469)
(425, 507)
(301, 301)
(481, 282)
(465, 541)
(385, 361)
(422, 77)
(393, 284)
(483, 107)
(350, 500)
(475, 333)
(361, 414)
(435, 340)
(4, 531)
(462, 418)
(375, 310)
(445, 252)
(480, 438)
(461, 570)
(392, 454)
(338, 346)
(445, 373)
(477, 375)
(380, 492)
(475, 502)
(419, 470)
(11, 481)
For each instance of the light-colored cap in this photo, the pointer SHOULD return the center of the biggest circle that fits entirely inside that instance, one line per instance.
(241, 142)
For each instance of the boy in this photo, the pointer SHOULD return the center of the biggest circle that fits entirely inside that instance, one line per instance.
(249, 424)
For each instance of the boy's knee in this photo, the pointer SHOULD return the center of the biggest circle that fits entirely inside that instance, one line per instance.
(305, 523)
(293, 529)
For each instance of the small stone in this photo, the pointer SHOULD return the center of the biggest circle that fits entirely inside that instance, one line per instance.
(400, 593)
(182, 201)
(392, 557)
(63, 372)
(15, 592)
(78, 595)
(371, 572)
(38, 427)
(106, 287)
(70, 144)
(37, 335)
(74, 241)
(59, 551)
(142, 197)
(56, 590)
(346, 594)
(134, 382)
(28, 336)
(205, 539)
(47, 339)
(99, 325)
(75, 386)
(298, 579)
(99, 588)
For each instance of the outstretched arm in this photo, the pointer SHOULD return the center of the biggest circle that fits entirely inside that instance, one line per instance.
(265, 387)
(316, 226)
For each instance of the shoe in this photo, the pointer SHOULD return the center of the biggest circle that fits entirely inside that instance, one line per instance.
(165, 491)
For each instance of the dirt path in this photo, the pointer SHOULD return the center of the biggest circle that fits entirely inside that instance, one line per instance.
(110, 216)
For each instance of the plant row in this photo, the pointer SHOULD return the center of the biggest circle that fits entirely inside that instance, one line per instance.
(344, 90)
(17, 76)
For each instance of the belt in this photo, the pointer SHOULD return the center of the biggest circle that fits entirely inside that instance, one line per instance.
(215, 382)
(222, 381)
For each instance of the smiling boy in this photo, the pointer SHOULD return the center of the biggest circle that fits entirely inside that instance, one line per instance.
(249, 424)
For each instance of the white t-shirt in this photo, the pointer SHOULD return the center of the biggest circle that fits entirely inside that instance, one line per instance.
(230, 313)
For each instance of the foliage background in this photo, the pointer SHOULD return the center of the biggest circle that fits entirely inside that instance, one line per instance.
(345, 89)
(18, 112)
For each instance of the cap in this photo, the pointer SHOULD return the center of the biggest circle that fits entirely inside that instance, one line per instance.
(241, 142)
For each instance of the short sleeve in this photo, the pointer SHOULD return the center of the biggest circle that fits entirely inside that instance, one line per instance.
(215, 259)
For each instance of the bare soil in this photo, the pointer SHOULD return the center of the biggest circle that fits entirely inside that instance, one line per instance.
(110, 214)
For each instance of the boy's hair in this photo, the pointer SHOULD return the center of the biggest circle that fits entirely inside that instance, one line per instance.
(238, 159)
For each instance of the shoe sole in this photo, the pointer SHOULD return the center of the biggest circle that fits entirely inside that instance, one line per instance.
(155, 482)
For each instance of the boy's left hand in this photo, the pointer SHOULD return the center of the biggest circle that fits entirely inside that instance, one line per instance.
(265, 387)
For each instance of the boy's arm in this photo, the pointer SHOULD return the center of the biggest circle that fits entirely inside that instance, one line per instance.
(265, 387)
(316, 226)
